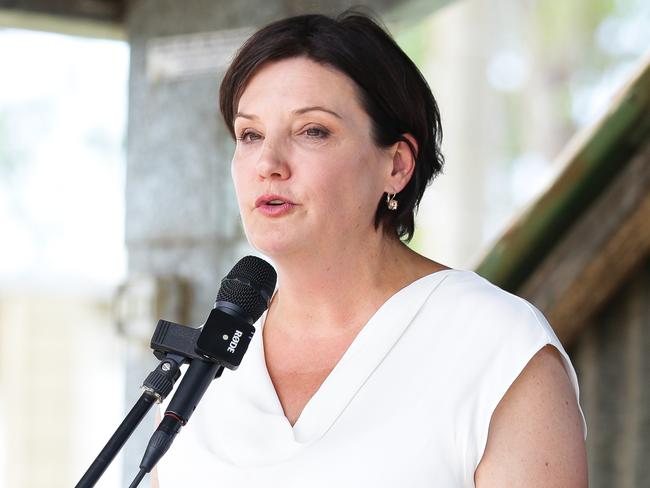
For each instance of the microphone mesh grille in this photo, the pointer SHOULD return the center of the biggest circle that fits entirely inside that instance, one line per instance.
(255, 270)
(242, 286)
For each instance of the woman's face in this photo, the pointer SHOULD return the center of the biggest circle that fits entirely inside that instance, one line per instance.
(307, 173)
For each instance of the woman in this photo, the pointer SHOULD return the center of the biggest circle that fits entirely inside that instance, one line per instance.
(374, 366)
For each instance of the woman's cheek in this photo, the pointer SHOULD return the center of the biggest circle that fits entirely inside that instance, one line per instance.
(240, 173)
(241, 193)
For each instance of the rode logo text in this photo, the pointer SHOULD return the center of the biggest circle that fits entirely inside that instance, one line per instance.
(235, 340)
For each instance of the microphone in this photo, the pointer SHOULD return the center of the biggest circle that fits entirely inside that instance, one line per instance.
(244, 295)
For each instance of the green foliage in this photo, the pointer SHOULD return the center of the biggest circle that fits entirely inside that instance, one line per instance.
(414, 42)
(563, 24)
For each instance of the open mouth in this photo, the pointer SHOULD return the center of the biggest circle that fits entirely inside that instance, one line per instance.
(274, 207)
(274, 203)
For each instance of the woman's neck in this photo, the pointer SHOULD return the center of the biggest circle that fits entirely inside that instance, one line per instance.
(339, 288)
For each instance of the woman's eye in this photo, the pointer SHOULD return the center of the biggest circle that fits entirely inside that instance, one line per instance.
(249, 136)
(316, 132)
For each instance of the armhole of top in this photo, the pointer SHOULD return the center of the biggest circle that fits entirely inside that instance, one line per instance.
(546, 336)
(552, 339)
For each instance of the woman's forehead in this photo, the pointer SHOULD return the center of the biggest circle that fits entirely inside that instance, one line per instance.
(296, 83)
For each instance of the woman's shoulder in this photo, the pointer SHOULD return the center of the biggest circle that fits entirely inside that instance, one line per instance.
(488, 326)
(467, 296)
(489, 337)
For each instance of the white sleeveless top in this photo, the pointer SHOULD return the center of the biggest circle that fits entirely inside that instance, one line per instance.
(408, 404)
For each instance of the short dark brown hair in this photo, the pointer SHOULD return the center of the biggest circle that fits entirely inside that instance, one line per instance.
(393, 92)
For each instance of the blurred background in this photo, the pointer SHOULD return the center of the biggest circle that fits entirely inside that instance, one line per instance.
(116, 207)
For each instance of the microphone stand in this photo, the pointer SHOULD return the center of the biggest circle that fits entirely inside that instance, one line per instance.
(243, 296)
(117, 441)
(173, 344)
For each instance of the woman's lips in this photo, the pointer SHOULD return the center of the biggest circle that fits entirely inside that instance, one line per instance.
(270, 197)
(281, 205)
(276, 210)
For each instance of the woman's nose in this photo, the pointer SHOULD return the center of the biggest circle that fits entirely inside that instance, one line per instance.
(272, 163)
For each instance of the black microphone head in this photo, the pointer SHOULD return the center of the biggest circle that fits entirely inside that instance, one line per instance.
(249, 285)
(256, 271)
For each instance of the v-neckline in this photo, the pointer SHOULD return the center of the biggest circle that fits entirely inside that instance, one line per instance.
(361, 358)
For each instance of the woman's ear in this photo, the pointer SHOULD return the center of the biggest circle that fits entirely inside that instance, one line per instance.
(403, 163)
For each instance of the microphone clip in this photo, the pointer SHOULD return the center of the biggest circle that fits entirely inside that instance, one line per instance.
(222, 340)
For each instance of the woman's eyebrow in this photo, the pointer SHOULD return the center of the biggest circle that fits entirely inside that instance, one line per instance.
(299, 111)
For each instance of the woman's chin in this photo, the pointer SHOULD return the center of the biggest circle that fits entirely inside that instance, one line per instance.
(276, 246)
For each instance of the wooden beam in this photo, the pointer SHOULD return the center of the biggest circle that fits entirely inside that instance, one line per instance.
(98, 10)
(591, 160)
(60, 24)
(590, 263)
